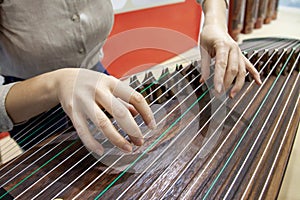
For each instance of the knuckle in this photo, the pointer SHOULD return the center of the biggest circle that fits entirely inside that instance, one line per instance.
(69, 107)
(103, 123)
(234, 45)
(79, 129)
(221, 63)
(137, 97)
(243, 72)
(120, 113)
(234, 70)
(221, 43)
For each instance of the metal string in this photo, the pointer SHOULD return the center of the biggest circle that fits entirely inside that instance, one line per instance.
(258, 135)
(214, 182)
(154, 143)
(272, 135)
(186, 146)
(145, 135)
(213, 134)
(57, 136)
(98, 195)
(70, 146)
(103, 141)
(228, 135)
(280, 147)
(48, 117)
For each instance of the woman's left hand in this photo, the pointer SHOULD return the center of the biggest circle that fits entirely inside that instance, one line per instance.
(230, 63)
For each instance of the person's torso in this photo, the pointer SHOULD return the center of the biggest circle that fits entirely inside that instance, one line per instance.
(37, 36)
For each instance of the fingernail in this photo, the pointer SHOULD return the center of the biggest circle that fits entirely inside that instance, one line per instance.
(127, 148)
(152, 125)
(218, 87)
(140, 141)
(232, 94)
(201, 80)
(99, 152)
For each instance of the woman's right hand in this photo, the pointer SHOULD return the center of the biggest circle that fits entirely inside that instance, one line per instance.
(83, 93)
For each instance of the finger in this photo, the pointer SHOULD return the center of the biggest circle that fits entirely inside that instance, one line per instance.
(252, 70)
(130, 107)
(136, 141)
(121, 115)
(232, 67)
(220, 67)
(126, 121)
(104, 124)
(205, 65)
(134, 98)
(86, 137)
(240, 79)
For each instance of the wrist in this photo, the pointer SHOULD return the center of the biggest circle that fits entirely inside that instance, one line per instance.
(215, 13)
(215, 26)
(59, 78)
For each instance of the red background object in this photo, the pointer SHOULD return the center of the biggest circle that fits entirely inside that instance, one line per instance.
(3, 135)
(143, 38)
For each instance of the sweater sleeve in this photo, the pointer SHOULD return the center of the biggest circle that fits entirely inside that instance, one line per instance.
(6, 123)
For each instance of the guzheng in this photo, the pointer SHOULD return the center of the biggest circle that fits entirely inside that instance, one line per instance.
(205, 146)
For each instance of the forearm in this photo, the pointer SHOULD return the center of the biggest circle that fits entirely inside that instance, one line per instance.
(31, 97)
(215, 14)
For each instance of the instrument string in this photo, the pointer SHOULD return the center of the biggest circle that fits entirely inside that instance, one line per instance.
(162, 76)
(245, 132)
(35, 160)
(280, 147)
(174, 182)
(134, 80)
(258, 136)
(154, 143)
(170, 145)
(44, 146)
(187, 145)
(39, 119)
(259, 46)
(7, 147)
(213, 134)
(54, 131)
(102, 191)
(276, 126)
(54, 118)
(181, 90)
(229, 134)
(31, 164)
(35, 171)
(31, 155)
(175, 74)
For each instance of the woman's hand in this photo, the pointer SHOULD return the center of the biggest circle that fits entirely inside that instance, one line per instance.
(215, 42)
(82, 93)
(230, 63)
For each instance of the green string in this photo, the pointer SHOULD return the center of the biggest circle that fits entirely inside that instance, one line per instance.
(46, 163)
(162, 76)
(26, 178)
(153, 144)
(244, 134)
(40, 127)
